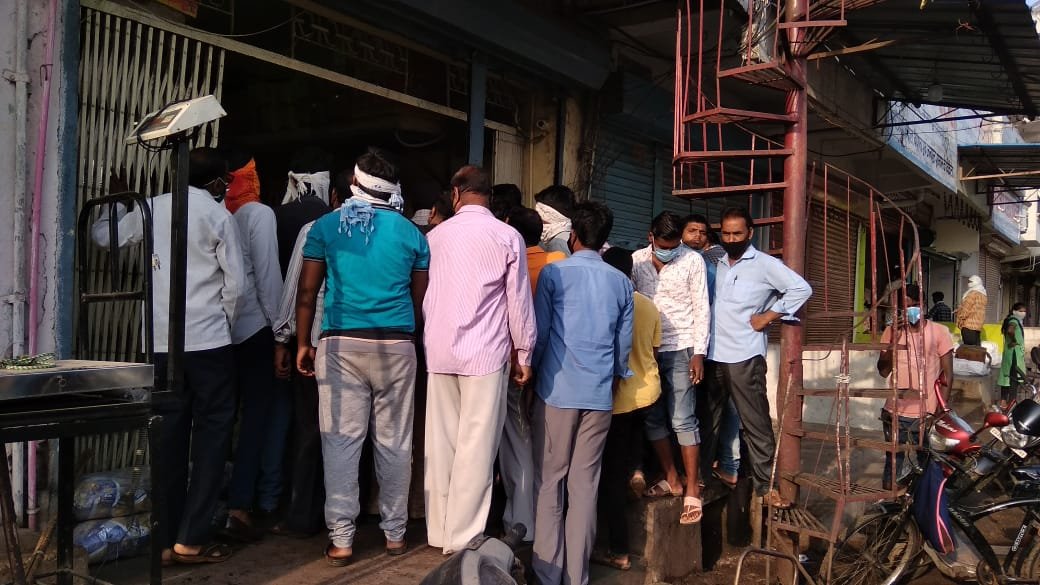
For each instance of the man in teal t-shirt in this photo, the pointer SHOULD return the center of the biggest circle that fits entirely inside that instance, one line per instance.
(374, 261)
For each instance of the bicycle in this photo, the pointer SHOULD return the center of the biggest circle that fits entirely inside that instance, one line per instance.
(885, 547)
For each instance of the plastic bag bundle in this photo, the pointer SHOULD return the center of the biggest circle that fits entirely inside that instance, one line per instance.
(112, 494)
(113, 538)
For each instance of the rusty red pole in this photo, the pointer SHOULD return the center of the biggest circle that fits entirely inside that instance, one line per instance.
(795, 169)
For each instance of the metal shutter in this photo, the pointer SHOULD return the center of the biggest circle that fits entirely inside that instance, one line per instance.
(833, 281)
(989, 270)
(623, 178)
(128, 69)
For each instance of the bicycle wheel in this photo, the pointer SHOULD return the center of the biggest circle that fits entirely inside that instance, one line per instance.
(877, 551)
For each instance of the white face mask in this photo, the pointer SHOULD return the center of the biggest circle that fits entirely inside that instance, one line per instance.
(1021, 315)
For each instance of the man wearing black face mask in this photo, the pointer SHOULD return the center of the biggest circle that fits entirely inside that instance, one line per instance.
(752, 290)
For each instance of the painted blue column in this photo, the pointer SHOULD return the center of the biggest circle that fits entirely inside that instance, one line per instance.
(68, 104)
(477, 107)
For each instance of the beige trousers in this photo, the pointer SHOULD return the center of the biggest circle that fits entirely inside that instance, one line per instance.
(464, 418)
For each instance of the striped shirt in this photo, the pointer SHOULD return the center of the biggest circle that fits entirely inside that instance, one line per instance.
(478, 305)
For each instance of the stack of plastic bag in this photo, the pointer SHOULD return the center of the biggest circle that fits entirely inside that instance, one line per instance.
(115, 506)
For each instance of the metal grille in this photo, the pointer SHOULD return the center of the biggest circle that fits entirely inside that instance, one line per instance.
(128, 69)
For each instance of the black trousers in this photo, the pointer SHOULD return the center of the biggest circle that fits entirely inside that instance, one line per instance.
(711, 403)
(197, 425)
(971, 337)
(745, 382)
(622, 455)
(306, 512)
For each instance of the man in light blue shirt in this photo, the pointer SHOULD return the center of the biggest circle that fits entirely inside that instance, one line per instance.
(584, 312)
(752, 290)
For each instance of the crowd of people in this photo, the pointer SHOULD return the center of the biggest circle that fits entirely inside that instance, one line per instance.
(478, 335)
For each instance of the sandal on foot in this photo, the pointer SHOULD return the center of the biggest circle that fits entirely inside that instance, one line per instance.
(337, 561)
(619, 562)
(211, 553)
(241, 531)
(729, 480)
(396, 548)
(773, 499)
(662, 489)
(692, 511)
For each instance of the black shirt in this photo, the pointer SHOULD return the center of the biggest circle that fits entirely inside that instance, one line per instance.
(291, 218)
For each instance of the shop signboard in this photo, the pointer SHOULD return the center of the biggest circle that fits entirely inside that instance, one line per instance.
(931, 146)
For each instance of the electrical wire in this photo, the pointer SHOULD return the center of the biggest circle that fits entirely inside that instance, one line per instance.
(226, 36)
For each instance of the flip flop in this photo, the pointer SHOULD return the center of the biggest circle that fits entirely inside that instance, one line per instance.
(662, 489)
(619, 562)
(337, 561)
(724, 478)
(398, 550)
(211, 553)
(240, 531)
(696, 513)
(773, 499)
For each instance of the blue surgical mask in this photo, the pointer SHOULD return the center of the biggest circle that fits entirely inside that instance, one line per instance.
(666, 256)
(913, 315)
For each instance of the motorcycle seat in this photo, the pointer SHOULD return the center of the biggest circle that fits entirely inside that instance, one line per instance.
(1027, 473)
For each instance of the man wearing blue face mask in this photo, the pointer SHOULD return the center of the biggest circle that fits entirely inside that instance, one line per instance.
(927, 358)
(674, 277)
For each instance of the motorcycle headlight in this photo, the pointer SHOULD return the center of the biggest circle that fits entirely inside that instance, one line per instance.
(937, 442)
(1014, 439)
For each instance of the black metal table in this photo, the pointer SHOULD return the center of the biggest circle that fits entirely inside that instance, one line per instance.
(78, 398)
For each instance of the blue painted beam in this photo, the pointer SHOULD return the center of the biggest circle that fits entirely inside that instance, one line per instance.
(477, 105)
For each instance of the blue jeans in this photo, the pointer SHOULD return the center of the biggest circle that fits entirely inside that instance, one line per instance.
(908, 435)
(678, 402)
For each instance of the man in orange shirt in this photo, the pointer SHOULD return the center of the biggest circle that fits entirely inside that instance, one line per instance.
(515, 459)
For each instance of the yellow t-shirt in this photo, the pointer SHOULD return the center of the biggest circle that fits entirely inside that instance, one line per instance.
(643, 388)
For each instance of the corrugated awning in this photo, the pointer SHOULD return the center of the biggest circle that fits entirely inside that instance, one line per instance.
(975, 54)
(1016, 165)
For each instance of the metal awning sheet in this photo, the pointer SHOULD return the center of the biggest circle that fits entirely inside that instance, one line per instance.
(1017, 165)
(984, 54)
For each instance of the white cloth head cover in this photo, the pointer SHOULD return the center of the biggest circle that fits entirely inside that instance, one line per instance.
(301, 184)
(554, 223)
(974, 285)
(373, 183)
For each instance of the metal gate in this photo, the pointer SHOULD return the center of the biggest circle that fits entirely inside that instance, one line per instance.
(128, 69)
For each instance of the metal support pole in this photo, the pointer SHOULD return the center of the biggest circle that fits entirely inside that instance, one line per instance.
(561, 137)
(795, 169)
(10, 528)
(66, 515)
(178, 266)
(477, 106)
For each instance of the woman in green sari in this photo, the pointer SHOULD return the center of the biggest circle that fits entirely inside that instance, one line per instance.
(1013, 362)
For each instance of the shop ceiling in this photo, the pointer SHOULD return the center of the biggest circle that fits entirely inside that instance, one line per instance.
(1016, 165)
(977, 54)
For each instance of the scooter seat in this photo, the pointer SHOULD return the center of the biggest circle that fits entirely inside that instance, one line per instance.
(1027, 473)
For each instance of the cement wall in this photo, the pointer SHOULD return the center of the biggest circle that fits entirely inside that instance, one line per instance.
(57, 190)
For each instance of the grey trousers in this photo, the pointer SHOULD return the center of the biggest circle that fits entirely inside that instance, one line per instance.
(745, 383)
(568, 454)
(516, 463)
(363, 387)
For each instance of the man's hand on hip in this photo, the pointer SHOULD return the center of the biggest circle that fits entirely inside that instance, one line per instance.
(759, 321)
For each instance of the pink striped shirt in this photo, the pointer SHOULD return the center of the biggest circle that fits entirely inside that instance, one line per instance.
(478, 305)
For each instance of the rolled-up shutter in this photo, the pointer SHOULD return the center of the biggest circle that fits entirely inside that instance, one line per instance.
(623, 178)
(989, 271)
(830, 270)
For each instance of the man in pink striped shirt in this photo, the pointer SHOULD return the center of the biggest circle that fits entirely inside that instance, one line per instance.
(478, 308)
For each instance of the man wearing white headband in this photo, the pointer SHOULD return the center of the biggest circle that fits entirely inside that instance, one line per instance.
(374, 262)
(554, 205)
